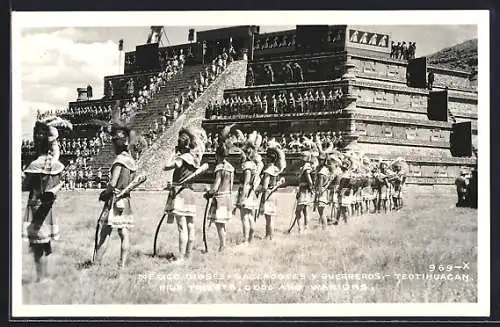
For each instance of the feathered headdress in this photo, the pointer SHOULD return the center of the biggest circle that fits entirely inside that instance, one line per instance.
(335, 158)
(53, 123)
(254, 140)
(120, 131)
(347, 163)
(276, 155)
(307, 156)
(230, 135)
(308, 144)
(196, 144)
(401, 164)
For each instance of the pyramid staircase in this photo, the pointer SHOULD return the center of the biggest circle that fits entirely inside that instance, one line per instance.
(141, 120)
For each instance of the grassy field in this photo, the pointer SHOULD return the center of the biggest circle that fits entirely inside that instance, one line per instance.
(373, 250)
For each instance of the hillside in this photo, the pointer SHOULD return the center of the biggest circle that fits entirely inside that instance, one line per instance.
(462, 56)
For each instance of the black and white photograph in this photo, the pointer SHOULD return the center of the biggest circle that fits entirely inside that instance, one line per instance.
(199, 164)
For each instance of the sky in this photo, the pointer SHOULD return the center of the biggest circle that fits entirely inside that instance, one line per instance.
(57, 61)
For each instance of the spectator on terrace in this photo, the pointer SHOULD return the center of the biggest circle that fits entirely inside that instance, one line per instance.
(250, 77)
(98, 178)
(268, 70)
(109, 90)
(404, 50)
(397, 51)
(89, 178)
(220, 65)
(430, 80)
(209, 144)
(297, 73)
(411, 50)
(224, 59)
(130, 87)
(175, 63)
(393, 50)
(232, 53)
(182, 59)
(288, 73)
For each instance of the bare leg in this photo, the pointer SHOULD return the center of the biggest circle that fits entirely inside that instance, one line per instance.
(298, 214)
(183, 235)
(40, 263)
(251, 223)
(190, 236)
(305, 211)
(269, 227)
(322, 218)
(221, 230)
(103, 243)
(125, 245)
(245, 224)
(344, 213)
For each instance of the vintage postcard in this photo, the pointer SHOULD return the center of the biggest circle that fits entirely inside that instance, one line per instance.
(250, 164)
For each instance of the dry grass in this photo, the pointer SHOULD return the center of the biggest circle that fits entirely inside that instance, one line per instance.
(428, 231)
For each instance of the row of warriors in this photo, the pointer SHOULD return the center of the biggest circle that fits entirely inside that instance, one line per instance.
(348, 183)
(254, 197)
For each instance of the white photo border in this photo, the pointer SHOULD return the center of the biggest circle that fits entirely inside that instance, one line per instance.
(480, 18)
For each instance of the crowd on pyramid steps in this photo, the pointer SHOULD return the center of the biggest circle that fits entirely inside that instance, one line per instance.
(180, 103)
(401, 50)
(140, 86)
(276, 104)
(290, 143)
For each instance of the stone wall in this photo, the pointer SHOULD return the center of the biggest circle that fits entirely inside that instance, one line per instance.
(451, 78)
(464, 109)
(413, 102)
(377, 67)
(398, 148)
(390, 111)
(394, 70)
(405, 133)
(162, 151)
